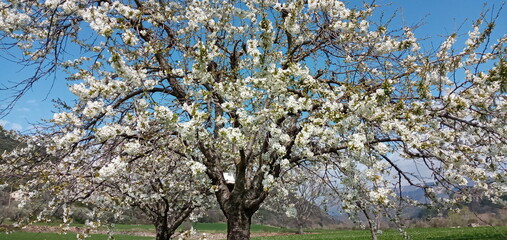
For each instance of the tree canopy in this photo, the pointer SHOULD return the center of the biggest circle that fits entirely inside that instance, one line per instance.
(168, 90)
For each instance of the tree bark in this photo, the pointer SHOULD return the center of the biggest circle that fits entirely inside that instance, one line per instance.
(238, 200)
(163, 230)
(373, 234)
(238, 225)
(239, 206)
(300, 229)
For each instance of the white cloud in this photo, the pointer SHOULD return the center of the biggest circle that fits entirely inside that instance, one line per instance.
(16, 127)
(10, 125)
(24, 109)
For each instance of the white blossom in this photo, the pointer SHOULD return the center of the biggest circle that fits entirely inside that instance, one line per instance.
(116, 166)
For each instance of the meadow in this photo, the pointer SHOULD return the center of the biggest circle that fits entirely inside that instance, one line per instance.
(478, 233)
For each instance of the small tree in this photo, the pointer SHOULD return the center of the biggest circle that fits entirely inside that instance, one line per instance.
(110, 179)
(254, 88)
(308, 196)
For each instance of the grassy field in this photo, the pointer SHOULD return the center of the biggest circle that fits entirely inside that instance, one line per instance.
(479, 233)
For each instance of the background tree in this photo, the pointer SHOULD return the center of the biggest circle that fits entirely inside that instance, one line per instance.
(110, 178)
(307, 197)
(7, 210)
(254, 88)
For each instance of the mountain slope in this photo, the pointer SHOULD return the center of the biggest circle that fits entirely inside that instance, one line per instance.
(7, 143)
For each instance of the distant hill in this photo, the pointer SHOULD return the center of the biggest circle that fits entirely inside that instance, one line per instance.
(478, 206)
(7, 143)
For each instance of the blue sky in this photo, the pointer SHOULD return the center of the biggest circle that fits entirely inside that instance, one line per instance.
(440, 17)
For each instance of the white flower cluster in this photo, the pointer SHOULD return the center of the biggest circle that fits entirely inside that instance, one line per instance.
(411, 39)
(387, 46)
(69, 138)
(268, 182)
(445, 46)
(132, 148)
(22, 196)
(435, 77)
(196, 167)
(233, 136)
(336, 8)
(99, 19)
(110, 131)
(165, 115)
(473, 36)
(380, 195)
(94, 87)
(357, 141)
(133, 77)
(52, 3)
(252, 50)
(66, 118)
(117, 165)
(195, 14)
(93, 108)
(12, 19)
(129, 38)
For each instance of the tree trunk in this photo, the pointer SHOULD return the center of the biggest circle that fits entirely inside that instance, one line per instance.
(167, 218)
(163, 230)
(373, 234)
(373, 228)
(238, 225)
(238, 199)
(300, 229)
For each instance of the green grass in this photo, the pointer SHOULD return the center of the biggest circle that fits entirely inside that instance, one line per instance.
(459, 233)
(69, 236)
(480, 233)
(263, 228)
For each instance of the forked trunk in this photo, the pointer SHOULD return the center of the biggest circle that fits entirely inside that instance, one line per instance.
(238, 225)
(167, 220)
(239, 197)
(163, 230)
